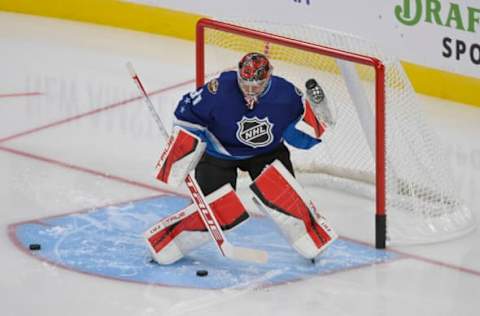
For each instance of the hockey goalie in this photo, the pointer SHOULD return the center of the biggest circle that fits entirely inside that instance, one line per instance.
(241, 121)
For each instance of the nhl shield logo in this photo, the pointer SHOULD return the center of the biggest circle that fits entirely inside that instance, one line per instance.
(255, 132)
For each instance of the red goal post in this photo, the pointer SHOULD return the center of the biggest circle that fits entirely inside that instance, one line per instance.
(376, 64)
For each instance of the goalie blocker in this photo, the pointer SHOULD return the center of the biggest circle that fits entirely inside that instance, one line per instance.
(279, 195)
(181, 155)
(178, 234)
(318, 115)
(321, 108)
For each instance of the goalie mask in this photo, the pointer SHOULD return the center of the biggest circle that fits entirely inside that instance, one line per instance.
(254, 72)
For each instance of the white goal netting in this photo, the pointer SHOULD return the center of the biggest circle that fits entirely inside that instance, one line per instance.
(421, 202)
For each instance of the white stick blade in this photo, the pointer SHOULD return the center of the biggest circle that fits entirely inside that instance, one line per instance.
(245, 254)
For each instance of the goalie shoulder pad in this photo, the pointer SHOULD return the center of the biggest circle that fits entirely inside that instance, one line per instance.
(181, 155)
(279, 195)
(176, 235)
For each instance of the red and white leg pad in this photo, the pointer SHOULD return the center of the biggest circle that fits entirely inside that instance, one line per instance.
(178, 234)
(181, 155)
(279, 195)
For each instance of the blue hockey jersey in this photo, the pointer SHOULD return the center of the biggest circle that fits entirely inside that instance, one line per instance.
(217, 113)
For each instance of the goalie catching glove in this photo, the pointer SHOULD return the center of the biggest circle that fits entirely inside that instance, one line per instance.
(183, 151)
(176, 235)
(279, 195)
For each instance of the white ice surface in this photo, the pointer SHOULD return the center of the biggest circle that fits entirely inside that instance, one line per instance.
(79, 68)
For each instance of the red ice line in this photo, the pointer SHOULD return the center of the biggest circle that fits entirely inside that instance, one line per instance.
(20, 94)
(83, 169)
(437, 263)
(406, 255)
(146, 186)
(79, 116)
(82, 115)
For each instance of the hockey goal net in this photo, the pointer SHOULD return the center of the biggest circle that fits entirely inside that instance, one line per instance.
(380, 148)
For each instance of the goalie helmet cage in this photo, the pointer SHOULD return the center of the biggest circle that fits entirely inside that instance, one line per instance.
(380, 147)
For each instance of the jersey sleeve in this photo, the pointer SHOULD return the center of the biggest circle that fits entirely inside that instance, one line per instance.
(298, 139)
(193, 112)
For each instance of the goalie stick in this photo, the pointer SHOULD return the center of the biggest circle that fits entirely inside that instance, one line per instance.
(224, 246)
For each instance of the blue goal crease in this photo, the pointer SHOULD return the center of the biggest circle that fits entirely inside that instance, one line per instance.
(108, 242)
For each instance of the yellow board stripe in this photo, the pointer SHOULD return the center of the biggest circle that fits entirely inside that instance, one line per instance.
(442, 84)
(113, 13)
(178, 24)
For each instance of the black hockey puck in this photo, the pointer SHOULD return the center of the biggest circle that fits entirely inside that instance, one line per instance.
(35, 247)
(202, 273)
